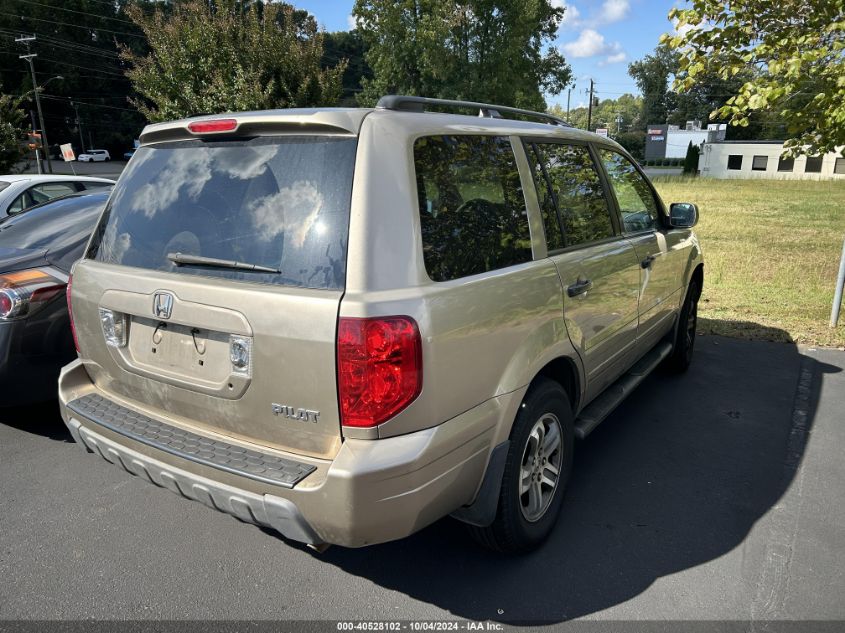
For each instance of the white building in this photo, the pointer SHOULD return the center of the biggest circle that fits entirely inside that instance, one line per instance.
(671, 141)
(762, 159)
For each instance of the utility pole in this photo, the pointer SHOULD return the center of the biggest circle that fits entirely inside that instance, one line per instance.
(34, 125)
(45, 144)
(618, 123)
(78, 126)
(568, 93)
(590, 107)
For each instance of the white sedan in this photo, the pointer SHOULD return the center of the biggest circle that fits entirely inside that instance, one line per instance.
(94, 156)
(18, 193)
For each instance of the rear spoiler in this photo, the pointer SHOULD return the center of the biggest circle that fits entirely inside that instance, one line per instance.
(338, 122)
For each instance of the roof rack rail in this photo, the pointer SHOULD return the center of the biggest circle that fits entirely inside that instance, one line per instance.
(418, 104)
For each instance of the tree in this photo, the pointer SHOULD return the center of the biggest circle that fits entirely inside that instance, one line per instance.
(228, 56)
(348, 45)
(627, 107)
(634, 142)
(78, 40)
(691, 160)
(11, 131)
(482, 50)
(652, 74)
(796, 49)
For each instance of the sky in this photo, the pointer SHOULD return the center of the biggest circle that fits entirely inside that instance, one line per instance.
(598, 38)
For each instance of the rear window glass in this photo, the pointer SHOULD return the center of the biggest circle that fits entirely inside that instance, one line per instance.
(472, 208)
(3, 185)
(275, 202)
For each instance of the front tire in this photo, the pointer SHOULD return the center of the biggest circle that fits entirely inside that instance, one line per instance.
(681, 357)
(537, 470)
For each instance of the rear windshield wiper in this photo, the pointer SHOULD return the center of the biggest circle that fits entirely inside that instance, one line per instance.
(181, 259)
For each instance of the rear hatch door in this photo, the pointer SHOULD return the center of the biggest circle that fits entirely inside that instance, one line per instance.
(224, 264)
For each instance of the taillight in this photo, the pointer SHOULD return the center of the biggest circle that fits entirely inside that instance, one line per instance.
(26, 291)
(214, 126)
(379, 367)
(70, 313)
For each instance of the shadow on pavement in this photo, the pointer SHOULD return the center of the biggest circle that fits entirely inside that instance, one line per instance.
(743, 329)
(40, 419)
(676, 477)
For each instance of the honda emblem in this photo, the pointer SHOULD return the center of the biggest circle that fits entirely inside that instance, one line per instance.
(162, 305)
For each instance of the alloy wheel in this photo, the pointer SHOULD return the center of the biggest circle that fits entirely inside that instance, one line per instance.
(540, 467)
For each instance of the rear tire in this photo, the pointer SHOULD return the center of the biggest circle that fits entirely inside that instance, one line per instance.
(537, 470)
(682, 350)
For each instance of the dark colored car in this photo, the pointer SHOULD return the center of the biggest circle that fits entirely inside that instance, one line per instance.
(37, 250)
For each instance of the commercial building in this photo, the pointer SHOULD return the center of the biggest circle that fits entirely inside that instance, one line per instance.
(762, 159)
(670, 141)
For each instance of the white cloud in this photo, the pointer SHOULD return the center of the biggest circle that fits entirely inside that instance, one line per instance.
(591, 43)
(615, 58)
(613, 11)
(351, 22)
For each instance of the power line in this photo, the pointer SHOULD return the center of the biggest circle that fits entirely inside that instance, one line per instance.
(85, 103)
(61, 50)
(92, 15)
(77, 26)
(62, 43)
(111, 70)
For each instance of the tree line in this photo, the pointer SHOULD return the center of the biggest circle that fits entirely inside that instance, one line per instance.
(127, 62)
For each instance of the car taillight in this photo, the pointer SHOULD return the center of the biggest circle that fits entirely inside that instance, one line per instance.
(211, 127)
(70, 313)
(379, 367)
(26, 291)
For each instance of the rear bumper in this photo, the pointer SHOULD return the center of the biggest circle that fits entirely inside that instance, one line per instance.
(371, 492)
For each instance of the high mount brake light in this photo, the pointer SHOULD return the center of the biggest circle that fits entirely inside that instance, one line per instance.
(26, 291)
(214, 126)
(379, 365)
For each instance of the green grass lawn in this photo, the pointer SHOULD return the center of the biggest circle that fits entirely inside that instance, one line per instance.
(771, 256)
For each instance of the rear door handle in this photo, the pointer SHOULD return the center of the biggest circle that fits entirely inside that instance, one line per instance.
(648, 261)
(579, 287)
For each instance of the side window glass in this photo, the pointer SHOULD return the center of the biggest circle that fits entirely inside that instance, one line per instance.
(548, 207)
(576, 187)
(636, 200)
(50, 190)
(19, 204)
(471, 204)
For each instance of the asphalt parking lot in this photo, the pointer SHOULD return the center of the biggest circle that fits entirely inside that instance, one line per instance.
(718, 495)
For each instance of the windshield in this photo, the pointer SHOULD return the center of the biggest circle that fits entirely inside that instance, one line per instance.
(277, 202)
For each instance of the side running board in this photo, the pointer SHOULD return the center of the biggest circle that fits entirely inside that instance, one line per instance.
(595, 412)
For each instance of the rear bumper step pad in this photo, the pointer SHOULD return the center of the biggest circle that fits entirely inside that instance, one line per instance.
(196, 448)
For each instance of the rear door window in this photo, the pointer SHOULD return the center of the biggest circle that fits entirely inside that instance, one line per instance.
(275, 202)
(472, 208)
(576, 188)
(547, 200)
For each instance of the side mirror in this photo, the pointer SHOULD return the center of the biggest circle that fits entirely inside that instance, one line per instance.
(683, 215)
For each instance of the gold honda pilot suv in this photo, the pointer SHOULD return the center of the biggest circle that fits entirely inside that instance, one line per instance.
(345, 324)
